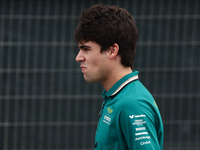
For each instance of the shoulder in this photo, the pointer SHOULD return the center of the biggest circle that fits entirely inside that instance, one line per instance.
(133, 106)
(135, 90)
(135, 98)
(137, 105)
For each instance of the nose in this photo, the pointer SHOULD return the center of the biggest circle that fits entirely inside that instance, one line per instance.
(80, 57)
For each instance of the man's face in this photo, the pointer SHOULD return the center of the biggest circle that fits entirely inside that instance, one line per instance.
(92, 62)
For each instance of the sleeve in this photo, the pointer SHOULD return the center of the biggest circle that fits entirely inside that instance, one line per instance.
(137, 121)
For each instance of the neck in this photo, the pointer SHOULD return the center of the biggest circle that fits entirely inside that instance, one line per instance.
(114, 76)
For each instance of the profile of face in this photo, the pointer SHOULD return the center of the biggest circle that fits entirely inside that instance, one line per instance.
(92, 62)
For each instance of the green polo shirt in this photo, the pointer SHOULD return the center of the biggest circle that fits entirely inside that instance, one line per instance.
(129, 118)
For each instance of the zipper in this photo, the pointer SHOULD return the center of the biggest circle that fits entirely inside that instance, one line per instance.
(101, 111)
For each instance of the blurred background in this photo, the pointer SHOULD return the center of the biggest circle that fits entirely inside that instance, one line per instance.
(45, 104)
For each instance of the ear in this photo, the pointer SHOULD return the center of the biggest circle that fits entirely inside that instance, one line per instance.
(113, 51)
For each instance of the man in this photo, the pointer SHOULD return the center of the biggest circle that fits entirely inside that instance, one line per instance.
(129, 117)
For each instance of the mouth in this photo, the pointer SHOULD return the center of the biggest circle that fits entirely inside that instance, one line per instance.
(83, 68)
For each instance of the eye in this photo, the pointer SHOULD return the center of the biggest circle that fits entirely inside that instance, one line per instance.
(86, 49)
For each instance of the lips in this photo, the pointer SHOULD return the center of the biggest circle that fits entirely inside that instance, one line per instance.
(83, 68)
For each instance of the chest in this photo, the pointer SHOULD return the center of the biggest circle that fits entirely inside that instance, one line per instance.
(108, 130)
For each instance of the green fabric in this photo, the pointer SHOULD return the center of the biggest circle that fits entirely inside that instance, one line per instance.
(130, 119)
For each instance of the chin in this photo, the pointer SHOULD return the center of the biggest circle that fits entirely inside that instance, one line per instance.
(89, 80)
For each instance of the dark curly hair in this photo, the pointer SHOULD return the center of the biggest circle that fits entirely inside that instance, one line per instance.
(106, 25)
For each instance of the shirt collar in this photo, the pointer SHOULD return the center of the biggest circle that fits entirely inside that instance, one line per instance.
(121, 83)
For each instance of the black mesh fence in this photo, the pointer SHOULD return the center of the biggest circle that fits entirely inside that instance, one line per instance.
(45, 102)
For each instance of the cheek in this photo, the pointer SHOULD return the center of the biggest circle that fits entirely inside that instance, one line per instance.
(97, 62)
(96, 71)
(94, 62)
(98, 66)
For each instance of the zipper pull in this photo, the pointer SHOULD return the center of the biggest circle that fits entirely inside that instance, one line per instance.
(95, 145)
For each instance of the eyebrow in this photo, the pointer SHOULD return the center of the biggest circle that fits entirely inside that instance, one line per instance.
(84, 46)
